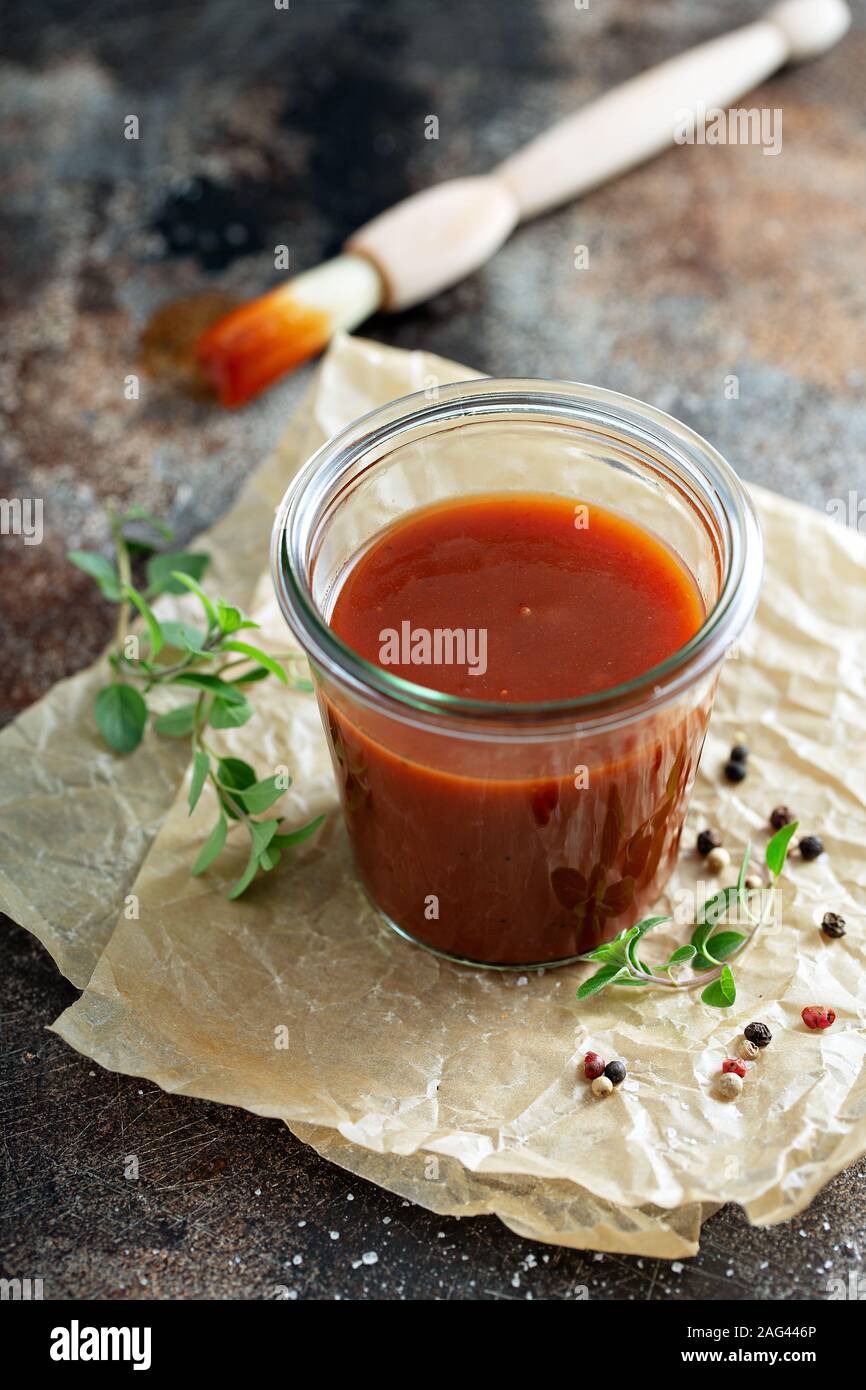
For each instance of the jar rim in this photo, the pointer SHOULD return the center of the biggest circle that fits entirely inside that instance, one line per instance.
(688, 457)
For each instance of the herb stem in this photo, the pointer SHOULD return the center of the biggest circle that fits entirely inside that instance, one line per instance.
(124, 574)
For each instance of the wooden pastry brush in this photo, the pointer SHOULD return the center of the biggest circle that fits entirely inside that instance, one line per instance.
(435, 238)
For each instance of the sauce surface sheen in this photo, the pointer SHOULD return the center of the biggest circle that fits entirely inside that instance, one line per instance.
(567, 609)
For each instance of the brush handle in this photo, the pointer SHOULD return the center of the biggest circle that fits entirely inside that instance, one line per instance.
(437, 237)
(637, 120)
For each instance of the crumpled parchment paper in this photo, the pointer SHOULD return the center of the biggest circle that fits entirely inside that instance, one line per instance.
(453, 1087)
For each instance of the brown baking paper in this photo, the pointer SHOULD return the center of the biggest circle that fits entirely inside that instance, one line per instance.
(458, 1088)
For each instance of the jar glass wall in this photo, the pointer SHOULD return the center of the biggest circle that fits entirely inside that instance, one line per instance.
(519, 834)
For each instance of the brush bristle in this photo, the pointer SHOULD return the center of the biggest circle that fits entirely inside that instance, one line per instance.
(255, 345)
(252, 347)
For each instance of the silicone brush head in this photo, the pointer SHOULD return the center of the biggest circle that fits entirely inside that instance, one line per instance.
(253, 346)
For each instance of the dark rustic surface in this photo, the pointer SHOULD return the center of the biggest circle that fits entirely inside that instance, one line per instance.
(261, 127)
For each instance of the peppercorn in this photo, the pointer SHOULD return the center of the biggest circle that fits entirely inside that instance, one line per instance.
(718, 859)
(739, 753)
(615, 1072)
(735, 772)
(811, 846)
(832, 924)
(758, 1033)
(593, 1066)
(729, 1085)
(818, 1016)
(601, 1086)
(780, 816)
(707, 840)
(753, 881)
(733, 1064)
(749, 1051)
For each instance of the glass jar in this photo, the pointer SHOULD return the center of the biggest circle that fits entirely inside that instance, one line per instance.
(515, 835)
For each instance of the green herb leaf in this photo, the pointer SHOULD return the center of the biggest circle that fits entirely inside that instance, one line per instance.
(262, 795)
(294, 837)
(153, 627)
(246, 877)
(256, 654)
(724, 944)
(230, 714)
(722, 992)
(712, 911)
(633, 937)
(101, 570)
(162, 568)
(212, 846)
(270, 857)
(679, 957)
(136, 546)
(186, 581)
(138, 513)
(224, 689)
(176, 723)
(601, 979)
(708, 919)
(300, 682)
(262, 832)
(200, 770)
(235, 774)
(231, 619)
(184, 637)
(744, 869)
(608, 951)
(255, 673)
(618, 948)
(648, 923)
(121, 715)
(777, 850)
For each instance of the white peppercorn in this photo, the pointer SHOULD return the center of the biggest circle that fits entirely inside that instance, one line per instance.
(718, 859)
(601, 1086)
(730, 1085)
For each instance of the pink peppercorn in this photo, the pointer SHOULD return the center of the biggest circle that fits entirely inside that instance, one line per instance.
(734, 1064)
(818, 1016)
(593, 1066)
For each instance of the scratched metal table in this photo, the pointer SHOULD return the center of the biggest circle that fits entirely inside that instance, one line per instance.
(258, 127)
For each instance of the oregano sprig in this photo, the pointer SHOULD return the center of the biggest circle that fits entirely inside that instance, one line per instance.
(212, 663)
(711, 945)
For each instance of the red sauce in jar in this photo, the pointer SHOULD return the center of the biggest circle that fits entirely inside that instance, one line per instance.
(494, 852)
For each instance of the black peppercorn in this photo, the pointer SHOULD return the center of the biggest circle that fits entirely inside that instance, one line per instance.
(707, 840)
(780, 816)
(758, 1033)
(615, 1072)
(735, 772)
(811, 846)
(832, 924)
(739, 753)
